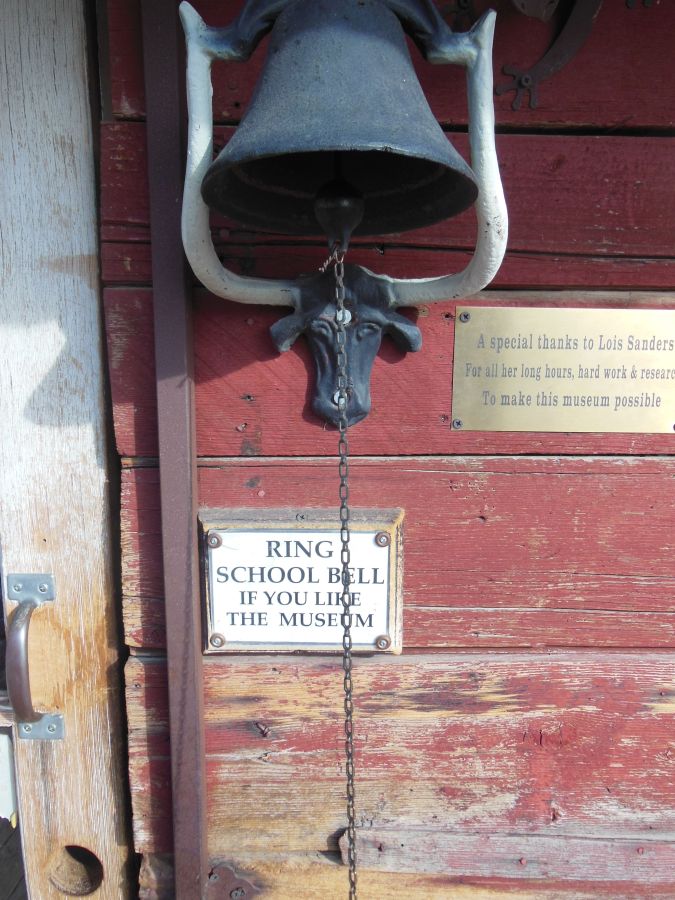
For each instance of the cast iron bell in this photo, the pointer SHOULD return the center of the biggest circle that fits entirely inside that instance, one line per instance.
(338, 99)
(339, 139)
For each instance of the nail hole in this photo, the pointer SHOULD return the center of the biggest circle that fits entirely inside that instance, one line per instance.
(75, 871)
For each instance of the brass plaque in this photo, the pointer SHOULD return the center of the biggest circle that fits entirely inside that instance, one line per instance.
(272, 580)
(594, 370)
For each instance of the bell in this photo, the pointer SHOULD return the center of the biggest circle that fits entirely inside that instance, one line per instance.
(338, 102)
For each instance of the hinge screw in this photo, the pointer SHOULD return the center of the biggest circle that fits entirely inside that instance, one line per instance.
(42, 588)
(51, 728)
(18, 587)
(26, 729)
(237, 893)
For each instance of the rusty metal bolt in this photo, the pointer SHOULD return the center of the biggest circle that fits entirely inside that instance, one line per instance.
(217, 640)
(382, 539)
(383, 642)
(214, 540)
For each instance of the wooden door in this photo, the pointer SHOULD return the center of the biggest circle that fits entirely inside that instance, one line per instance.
(522, 745)
(54, 469)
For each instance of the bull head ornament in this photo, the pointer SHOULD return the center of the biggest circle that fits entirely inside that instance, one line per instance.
(339, 139)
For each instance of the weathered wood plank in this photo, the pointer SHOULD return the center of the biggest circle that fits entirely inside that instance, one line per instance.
(604, 196)
(323, 877)
(458, 627)
(579, 550)
(588, 92)
(253, 401)
(54, 489)
(522, 856)
(127, 262)
(546, 746)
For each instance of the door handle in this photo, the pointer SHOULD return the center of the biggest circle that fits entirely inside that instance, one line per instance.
(16, 663)
(30, 592)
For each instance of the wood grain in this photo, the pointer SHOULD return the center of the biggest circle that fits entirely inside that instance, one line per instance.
(322, 876)
(611, 82)
(526, 857)
(577, 195)
(578, 549)
(54, 511)
(253, 401)
(541, 747)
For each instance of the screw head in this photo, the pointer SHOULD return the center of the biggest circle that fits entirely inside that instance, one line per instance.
(237, 893)
(17, 587)
(457, 423)
(51, 728)
(382, 539)
(214, 540)
(217, 640)
(383, 642)
(26, 729)
(42, 588)
(465, 317)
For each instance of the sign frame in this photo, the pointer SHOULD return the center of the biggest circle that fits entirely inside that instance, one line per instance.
(538, 369)
(387, 522)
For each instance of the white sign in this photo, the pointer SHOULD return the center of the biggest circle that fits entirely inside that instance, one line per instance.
(274, 588)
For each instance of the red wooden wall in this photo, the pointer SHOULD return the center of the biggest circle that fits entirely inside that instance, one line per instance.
(524, 741)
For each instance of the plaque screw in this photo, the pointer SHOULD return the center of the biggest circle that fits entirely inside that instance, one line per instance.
(465, 317)
(383, 642)
(457, 423)
(214, 540)
(382, 539)
(42, 588)
(51, 728)
(217, 640)
(18, 587)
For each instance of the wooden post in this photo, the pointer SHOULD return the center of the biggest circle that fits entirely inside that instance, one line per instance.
(54, 474)
(164, 93)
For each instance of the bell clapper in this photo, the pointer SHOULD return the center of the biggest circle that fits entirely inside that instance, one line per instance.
(338, 208)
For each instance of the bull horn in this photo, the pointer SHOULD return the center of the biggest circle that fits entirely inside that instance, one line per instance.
(204, 45)
(473, 50)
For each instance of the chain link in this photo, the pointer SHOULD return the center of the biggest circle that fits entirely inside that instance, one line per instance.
(342, 318)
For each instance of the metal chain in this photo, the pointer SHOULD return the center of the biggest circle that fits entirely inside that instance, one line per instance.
(342, 318)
